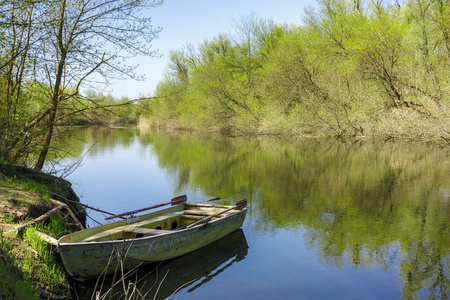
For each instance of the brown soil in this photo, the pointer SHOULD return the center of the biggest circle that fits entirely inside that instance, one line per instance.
(18, 205)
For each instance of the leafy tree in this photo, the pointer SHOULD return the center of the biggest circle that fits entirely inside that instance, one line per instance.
(353, 68)
(75, 39)
(16, 37)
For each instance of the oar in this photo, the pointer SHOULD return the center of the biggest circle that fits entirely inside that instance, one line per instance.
(174, 201)
(239, 205)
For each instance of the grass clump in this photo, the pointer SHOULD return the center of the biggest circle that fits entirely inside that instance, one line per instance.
(12, 283)
(54, 227)
(8, 219)
(29, 267)
(48, 269)
(13, 176)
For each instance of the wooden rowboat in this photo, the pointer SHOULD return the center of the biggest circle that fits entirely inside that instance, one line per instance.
(148, 238)
(163, 280)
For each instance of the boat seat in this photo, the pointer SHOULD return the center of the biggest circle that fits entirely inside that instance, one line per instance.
(131, 227)
(191, 217)
(151, 220)
(126, 230)
(199, 212)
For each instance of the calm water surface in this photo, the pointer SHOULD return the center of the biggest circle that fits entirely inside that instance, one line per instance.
(327, 219)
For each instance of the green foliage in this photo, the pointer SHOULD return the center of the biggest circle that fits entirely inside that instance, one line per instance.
(43, 184)
(359, 67)
(49, 49)
(97, 108)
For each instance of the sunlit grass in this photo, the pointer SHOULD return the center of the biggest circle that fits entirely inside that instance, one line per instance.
(31, 271)
(8, 218)
(12, 284)
(20, 278)
(50, 271)
(12, 178)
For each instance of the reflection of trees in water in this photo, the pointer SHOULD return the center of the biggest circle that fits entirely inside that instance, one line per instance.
(360, 202)
(76, 141)
(424, 266)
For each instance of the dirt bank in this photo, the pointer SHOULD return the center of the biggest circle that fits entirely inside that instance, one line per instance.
(26, 194)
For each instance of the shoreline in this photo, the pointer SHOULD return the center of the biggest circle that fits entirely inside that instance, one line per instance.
(281, 135)
(31, 267)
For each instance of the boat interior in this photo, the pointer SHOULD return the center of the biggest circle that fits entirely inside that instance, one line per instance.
(139, 227)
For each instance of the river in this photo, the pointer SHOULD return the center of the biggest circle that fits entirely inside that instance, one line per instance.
(328, 219)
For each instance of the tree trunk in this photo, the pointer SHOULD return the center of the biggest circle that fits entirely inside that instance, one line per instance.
(43, 155)
(56, 89)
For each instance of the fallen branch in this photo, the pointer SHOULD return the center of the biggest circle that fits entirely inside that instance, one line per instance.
(37, 220)
(47, 238)
(69, 211)
(48, 214)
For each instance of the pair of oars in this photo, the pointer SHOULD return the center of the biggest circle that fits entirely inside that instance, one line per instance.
(182, 199)
(174, 201)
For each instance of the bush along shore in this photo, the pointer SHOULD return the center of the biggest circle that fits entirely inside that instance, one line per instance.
(352, 68)
(36, 209)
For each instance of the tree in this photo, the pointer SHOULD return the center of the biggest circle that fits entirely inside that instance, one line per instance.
(16, 37)
(78, 39)
(355, 67)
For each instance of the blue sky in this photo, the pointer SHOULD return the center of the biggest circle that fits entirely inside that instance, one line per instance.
(193, 21)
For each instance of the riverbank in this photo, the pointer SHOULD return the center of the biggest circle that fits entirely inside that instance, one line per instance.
(29, 267)
(395, 125)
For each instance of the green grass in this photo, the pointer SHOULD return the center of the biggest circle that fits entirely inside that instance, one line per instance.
(12, 284)
(26, 274)
(8, 219)
(50, 271)
(54, 227)
(20, 279)
(11, 177)
(31, 186)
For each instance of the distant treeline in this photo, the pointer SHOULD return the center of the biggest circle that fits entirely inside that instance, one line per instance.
(109, 110)
(353, 68)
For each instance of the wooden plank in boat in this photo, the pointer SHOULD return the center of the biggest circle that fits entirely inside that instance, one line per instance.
(114, 230)
(191, 217)
(196, 218)
(200, 212)
(206, 206)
